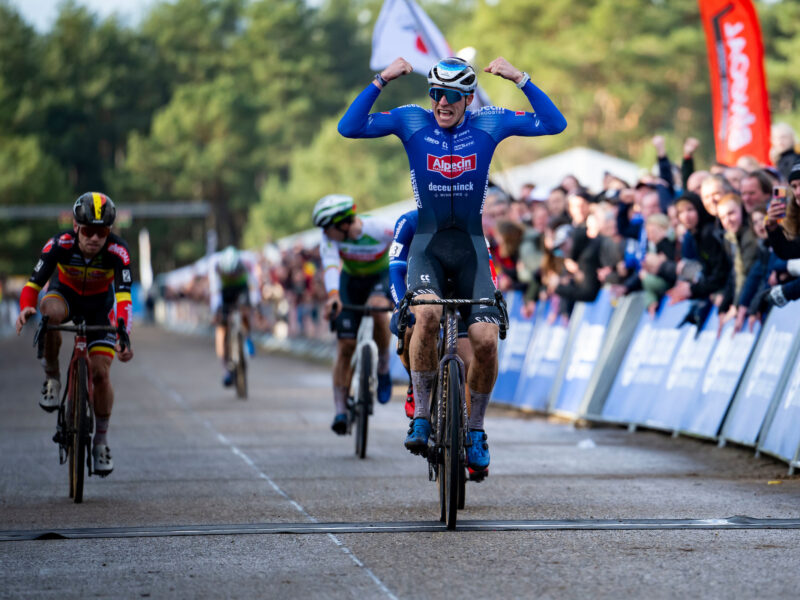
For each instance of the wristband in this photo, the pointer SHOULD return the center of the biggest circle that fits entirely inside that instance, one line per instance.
(380, 80)
(525, 79)
(777, 297)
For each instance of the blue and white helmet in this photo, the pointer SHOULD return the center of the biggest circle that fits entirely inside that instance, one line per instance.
(453, 73)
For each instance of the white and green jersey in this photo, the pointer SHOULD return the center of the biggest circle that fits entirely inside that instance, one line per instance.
(367, 255)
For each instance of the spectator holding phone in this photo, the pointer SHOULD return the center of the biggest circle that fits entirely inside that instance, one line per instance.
(783, 217)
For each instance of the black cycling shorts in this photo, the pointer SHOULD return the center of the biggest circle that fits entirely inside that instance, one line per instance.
(97, 310)
(453, 264)
(230, 298)
(357, 290)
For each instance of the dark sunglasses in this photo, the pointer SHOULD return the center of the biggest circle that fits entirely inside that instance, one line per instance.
(90, 231)
(452, 96)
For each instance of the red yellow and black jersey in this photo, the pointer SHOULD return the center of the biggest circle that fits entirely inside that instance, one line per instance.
(93, 280)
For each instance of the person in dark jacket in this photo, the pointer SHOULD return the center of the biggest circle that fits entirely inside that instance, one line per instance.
(703, 245)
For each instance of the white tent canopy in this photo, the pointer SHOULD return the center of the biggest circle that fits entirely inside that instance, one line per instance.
(587, 165)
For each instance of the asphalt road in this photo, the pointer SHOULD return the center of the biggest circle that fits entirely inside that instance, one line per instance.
(190, 456)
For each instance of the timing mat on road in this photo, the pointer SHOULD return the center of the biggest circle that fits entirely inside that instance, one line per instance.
(739, 522)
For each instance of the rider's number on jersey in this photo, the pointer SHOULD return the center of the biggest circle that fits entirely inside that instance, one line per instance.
(395, 249)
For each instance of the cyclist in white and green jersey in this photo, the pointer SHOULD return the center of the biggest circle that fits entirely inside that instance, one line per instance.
(355, 259)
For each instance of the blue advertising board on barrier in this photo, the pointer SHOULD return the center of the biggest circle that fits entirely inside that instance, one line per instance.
(513, 350)
(703, 417)
(644, 370)
(763, 375)
(583, 352)
(545, 352)
(782, 438)
(682, 384)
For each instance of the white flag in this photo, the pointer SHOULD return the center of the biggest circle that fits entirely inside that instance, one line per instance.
(403, 29)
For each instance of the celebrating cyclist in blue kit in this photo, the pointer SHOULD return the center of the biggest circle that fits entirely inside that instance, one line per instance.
(449, 151)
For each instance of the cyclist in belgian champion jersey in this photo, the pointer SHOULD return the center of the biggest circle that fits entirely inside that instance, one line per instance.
(232, 285)
(449, 150)
(90, 269)
(355, 259)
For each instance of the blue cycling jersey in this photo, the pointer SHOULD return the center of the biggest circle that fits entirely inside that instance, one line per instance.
(404, 232)
(450, 167)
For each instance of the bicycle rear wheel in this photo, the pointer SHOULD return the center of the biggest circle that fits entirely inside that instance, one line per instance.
(452, 447)
(241, 368)
(363, 401)
(78, 434)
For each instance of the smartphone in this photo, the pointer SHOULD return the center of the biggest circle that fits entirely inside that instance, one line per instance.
(779, 195)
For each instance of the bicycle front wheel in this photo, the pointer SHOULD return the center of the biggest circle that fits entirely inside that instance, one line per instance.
(241, 368)
(364, 401)
(453, 446)
(78, 425)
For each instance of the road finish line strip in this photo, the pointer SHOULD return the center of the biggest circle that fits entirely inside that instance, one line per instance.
(738, 522)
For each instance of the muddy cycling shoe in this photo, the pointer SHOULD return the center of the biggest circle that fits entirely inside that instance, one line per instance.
(384, 387)
(102, 463)
(227, 379)
(477, 454)
(339, 424)
(51, 391)
(410, 401)
(417, 438)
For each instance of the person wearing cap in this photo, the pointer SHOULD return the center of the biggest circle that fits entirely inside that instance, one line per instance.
(449, 149)
(87, 271)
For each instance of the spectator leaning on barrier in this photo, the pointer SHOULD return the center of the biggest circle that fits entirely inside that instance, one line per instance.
(741, 244)
(655, 275)
(701, 247)
(531, 255)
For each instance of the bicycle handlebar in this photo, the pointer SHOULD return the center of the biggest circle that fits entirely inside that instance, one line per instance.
(409, 301)
(82, 328)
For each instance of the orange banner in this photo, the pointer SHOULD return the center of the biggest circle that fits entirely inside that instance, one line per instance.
(738, 82)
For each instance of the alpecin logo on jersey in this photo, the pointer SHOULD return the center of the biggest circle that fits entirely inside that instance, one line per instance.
(452, 166)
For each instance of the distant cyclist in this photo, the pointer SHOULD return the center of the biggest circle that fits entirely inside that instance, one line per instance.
(355, 259)
(88, 268)
(449, 150)
(232, 285)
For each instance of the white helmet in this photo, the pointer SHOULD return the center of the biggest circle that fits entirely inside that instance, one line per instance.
(453, 73)
(332, 209)
(228, 261)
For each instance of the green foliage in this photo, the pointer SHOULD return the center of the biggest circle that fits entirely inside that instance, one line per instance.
(374, 173)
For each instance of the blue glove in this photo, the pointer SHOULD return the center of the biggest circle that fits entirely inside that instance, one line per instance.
(396, 317)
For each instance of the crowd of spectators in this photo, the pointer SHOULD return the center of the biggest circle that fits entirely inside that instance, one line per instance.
(700, 235)
(678, 232)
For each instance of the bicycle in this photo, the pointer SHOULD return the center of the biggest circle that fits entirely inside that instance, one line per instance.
(76, 410)
(448, 442)
(364, 382)
(237, 357)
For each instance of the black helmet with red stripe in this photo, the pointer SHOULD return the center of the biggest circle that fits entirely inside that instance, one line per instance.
(94, 208)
